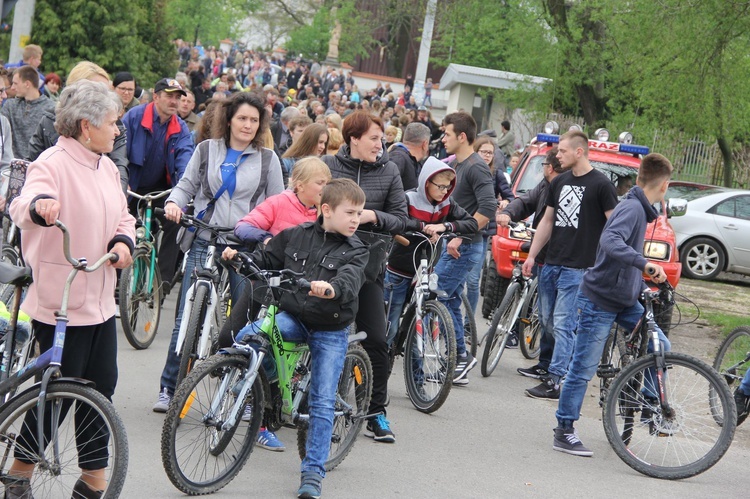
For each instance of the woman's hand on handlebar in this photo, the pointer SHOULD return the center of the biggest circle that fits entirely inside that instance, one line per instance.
(48, 209)
(123, 252)
(228, 253)
(322, 289)
(172, 212)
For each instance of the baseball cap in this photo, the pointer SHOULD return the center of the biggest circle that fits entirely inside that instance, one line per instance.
(169, 85)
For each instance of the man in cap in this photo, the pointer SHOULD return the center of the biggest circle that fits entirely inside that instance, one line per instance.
(159, 147)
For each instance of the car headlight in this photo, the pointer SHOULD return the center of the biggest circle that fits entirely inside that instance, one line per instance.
(656, 250)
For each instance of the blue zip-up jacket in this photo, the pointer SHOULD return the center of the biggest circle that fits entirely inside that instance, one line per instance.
(139, 123)
(616, 279)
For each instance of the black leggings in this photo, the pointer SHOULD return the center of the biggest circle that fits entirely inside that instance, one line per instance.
(90, 353)
(371, 319)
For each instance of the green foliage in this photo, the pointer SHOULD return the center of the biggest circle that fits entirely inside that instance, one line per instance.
(118, 37)
(209, 21)
(312, 41)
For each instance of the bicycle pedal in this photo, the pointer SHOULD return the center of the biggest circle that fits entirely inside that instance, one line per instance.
(369, 416)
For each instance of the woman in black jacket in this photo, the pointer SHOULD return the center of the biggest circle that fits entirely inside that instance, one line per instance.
(363, 159)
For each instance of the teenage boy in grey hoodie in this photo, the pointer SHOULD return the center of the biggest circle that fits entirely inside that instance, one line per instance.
(609, 292)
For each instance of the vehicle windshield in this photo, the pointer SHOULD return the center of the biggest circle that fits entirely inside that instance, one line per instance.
(623, 177)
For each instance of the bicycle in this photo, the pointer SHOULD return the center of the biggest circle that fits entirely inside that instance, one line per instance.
(11, 241)
(24, 420)
(732, 361)
(656, 407)
(140, 285)
(426, 336)
(208, 300)
(517, 312)
(205, 439)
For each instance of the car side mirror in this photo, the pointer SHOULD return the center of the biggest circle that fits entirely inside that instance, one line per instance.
(676, 207)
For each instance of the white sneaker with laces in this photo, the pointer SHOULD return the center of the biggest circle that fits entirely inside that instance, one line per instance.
(162, 404)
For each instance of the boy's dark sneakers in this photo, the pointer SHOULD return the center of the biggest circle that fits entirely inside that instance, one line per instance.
(535, 372)
(743, 405)
(311, 485)
(512, 342)
(566, 440)
(547, 389)
(463, 366)
(379, 429)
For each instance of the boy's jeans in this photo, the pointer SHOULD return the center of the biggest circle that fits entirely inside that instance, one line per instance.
(560, 287)
(594, 325)
(328, 351)
(452, 273)
(394, 291)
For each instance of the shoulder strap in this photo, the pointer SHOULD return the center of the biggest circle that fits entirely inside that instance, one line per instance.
(265, 167)
(203, 149)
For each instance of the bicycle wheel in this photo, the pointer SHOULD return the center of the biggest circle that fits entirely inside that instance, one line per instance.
(189, 353)
(140, 309)
(503, 319)
(672, 446)
(352, 401)
(430, 357)
(732, 362)
(198, 454)
(470, 326)
(531, 334)
(101, 435)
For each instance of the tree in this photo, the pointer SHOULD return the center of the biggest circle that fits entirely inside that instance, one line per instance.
(117, 37)
(209, 21)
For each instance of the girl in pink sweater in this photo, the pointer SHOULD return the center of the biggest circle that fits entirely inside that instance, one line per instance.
(292, 207)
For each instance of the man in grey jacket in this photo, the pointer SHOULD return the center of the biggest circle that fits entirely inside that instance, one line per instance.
(25, 111)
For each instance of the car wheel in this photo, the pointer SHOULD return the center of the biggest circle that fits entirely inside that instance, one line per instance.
(702, 258)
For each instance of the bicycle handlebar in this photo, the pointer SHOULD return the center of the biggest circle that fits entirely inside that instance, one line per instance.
(191, 221)
(295, 278)
(151, 196)
(82, 263)
(521, 227)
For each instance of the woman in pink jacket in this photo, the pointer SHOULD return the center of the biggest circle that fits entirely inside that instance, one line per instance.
(292, 207)
(75, 182)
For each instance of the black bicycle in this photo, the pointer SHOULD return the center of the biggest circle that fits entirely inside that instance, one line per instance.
(658, 414)
(732, 362)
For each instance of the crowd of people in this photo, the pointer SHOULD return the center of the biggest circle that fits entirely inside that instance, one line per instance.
(309, 168)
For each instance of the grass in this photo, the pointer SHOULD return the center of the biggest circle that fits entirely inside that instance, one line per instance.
(726, 322)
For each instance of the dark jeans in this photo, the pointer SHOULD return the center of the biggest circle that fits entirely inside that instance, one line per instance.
(90, 353)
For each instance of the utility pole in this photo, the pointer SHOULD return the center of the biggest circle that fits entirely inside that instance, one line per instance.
(21, 33)
(424, 48)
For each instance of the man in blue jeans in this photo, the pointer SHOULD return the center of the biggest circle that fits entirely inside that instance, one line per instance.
(578, 205)
(474, 192)
(609, 293)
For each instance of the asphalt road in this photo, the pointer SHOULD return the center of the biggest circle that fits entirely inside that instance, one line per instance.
(488, 440)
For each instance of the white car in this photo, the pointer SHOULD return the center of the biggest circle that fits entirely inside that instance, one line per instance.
(714, 234)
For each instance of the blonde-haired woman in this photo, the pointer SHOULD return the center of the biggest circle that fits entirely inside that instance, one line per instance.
(46, 136)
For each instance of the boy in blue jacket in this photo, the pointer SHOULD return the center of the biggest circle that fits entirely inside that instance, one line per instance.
(609, 292)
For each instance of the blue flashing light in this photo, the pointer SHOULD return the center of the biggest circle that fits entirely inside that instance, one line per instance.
(631, 149)
(546, 137)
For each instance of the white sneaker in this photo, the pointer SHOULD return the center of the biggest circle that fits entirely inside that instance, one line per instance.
(162, 404)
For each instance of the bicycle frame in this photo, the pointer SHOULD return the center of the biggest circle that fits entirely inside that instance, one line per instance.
(144, 238)
(48, 363)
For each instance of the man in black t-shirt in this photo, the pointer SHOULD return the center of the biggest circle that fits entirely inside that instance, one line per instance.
(578, 205)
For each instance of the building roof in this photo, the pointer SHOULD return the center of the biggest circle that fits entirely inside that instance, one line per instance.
(457, 74)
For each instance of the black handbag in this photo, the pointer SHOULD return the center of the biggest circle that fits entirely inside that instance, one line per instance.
(379, 246)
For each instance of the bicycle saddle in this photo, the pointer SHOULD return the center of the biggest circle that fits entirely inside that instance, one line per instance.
(10, 274)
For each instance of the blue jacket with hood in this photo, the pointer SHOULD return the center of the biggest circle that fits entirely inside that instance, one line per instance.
(616, 279)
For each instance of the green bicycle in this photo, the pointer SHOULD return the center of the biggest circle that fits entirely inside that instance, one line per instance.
(140, 284)
(213, 419)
